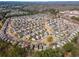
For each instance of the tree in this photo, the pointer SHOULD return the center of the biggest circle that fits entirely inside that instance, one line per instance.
(54, 11)
(68, 47)
(75, 18)
(49, 53)
(7, 49)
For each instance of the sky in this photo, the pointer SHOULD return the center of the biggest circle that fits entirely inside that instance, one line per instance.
(39, 0)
